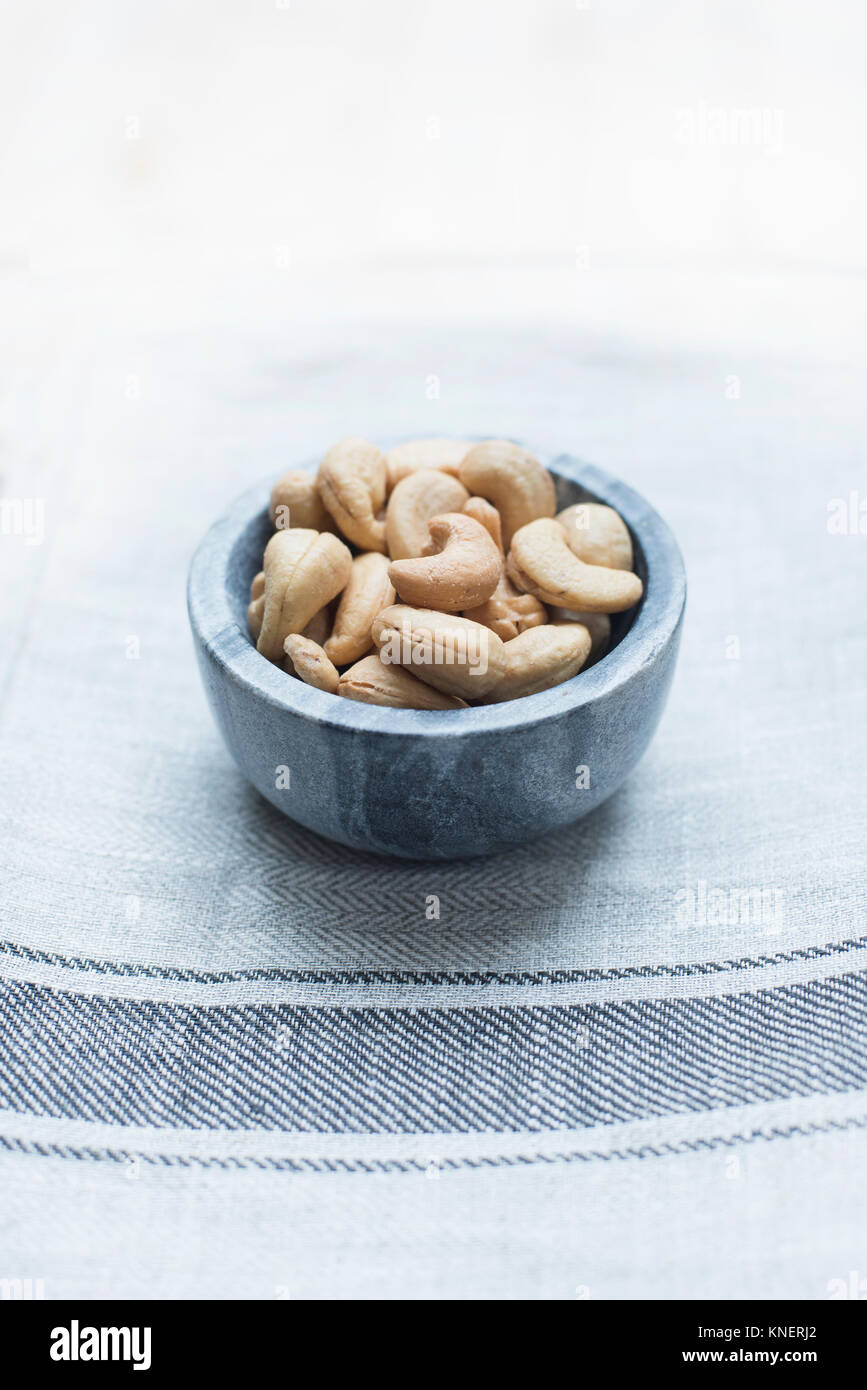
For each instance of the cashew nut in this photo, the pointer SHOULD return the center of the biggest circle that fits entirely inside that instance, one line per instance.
(460, 568)
(418, 497)
(487, 516)
(510, 477)
(449, 600)
(450, 653)
(598, 535)
(368, 591)
(597, 624)
(351, 483)
(540, 658)
(508, 612)
(310, 663)
(255, 612)
(257, 605)
(317, 631)
(374, 683)
(304, 570)
(444, 454)
(319, 627)
(541, 563)
(295, 501)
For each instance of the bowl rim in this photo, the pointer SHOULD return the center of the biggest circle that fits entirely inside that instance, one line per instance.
(658, 618)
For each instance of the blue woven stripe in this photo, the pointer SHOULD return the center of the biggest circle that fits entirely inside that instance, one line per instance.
(663, 1149)
(407, 1071)
(373, 975)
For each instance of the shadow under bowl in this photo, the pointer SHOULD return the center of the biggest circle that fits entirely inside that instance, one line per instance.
(430, 784)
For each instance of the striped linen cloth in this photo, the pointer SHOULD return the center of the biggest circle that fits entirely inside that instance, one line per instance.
(238, 1061)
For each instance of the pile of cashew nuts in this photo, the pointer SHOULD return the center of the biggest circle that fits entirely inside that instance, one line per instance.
(462, 586)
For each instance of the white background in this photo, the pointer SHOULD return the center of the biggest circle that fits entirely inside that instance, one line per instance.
(679, 169)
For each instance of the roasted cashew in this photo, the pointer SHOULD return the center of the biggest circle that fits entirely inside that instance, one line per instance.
(507, 612)
(319, 627)
(257, 605)
(304, 570)
(317, 630)
(374, 683)
(447, 652)
(460, 569)
(540, 658)
(597, 624)
(255, 613)
(488, 516)
(497, 597)
(295, 501)
(510, 477)
(443, 454)
(598, 535)
(541, 563)
(310, 663)
(419, 496)
(351, 483)
(368, 591)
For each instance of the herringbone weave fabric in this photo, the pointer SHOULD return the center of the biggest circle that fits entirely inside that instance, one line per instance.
(240, 1061)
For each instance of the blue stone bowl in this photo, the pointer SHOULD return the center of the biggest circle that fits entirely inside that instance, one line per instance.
(432, 784)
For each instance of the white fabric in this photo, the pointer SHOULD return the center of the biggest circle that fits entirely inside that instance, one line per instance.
(129, 838)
